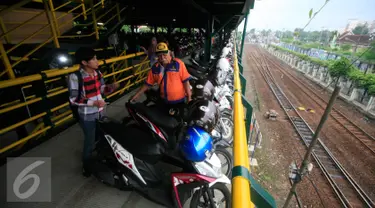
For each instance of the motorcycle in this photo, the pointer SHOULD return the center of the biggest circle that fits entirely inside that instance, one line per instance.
(128, 157)
(219, 139)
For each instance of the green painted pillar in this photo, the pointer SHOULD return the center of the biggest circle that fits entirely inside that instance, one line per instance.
(221, 41)
(208, 43)
(244, 34)
(169, 30)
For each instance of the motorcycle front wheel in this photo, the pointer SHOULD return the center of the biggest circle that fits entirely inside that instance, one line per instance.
(221, 197)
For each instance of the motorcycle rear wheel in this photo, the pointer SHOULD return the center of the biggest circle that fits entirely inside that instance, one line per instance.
(227, 164)
(196, 200)
(226, 127)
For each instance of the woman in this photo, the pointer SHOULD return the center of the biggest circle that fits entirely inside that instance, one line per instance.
(151, 51)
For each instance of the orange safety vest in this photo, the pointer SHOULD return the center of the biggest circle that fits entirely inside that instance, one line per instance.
(172, 85)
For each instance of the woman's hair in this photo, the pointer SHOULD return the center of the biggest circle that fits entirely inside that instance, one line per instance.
(152, 48)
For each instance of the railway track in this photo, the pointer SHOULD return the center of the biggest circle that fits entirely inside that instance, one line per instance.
(357, 132)
(348, 192)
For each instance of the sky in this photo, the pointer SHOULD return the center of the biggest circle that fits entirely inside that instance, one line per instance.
(290, 14)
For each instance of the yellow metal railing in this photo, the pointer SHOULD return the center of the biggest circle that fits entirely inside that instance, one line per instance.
(136, 77)
(53, 17)
(240, 185)
(6, 34)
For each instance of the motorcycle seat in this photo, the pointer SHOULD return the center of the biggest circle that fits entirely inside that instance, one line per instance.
(196, 73)
(155, 116)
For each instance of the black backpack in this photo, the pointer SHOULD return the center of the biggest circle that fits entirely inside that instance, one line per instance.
(74, 108)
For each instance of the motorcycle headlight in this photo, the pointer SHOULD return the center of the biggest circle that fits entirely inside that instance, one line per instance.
(210, 167)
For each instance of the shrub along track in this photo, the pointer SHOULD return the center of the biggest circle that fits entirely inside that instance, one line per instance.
(348, 153)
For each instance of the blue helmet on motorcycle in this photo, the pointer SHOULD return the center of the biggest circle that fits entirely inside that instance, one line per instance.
(197, 144)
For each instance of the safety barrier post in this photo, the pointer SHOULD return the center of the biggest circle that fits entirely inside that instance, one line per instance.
(243, 84)
(84, 10)
(94, 19)
(52, 8)
(118, 11)
(240, 67)
(6, 62)
(54, 30)
(45, 102)
(4, 29)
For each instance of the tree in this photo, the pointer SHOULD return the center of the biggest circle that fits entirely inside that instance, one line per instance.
(287, 34)
(332, 34)
(361, 30)
(313, 36)
(346, 47)
(364, 81)
(252, 31)
(297, 32)
(340, 68)
(370, 54)
(263, 33)
(269, 32)
(126, 29)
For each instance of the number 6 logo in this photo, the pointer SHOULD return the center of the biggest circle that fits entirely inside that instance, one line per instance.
(23, 177)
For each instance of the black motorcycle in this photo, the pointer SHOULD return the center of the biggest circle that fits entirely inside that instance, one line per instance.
(128, 157)
(220, 144)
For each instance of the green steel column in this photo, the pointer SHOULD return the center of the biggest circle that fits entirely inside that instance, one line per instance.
(208, 41)
(221, 41)
(236, 42)
(244, 34)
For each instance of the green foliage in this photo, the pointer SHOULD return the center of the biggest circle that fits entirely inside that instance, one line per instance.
(357, 77)
(319, 62)
(340, 68)
(145, 29)
(310, 13)
(368, 81)
(126, 29)
(165, 29)
(365, 81)
(371, 90)
(287, 40)
(369, 54)
(311, 45)
(361, 30)
(346, 47)
(302, 56)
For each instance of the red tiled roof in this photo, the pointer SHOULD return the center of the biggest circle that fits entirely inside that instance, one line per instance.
(355, 39)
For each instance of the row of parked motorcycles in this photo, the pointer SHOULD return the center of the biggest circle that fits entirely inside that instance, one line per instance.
(180, 160)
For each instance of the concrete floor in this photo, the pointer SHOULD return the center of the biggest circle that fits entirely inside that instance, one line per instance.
(69, 188)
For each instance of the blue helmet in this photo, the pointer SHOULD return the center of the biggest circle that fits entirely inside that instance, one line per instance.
(196, 144)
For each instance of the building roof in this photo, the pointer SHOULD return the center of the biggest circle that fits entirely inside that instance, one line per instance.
(186, 13)
(354, 39)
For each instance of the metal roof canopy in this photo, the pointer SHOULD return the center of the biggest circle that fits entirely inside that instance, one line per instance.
(186, 13)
